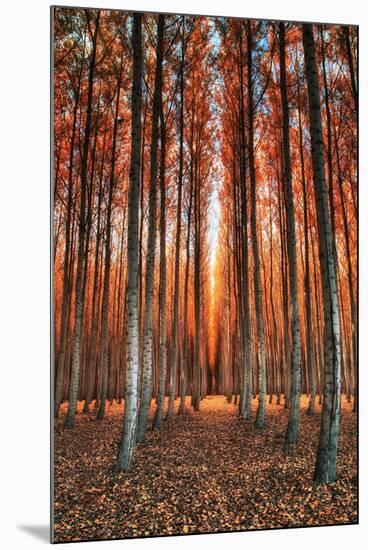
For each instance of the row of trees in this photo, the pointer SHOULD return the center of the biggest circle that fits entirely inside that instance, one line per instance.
(161, 121)
(292, 100)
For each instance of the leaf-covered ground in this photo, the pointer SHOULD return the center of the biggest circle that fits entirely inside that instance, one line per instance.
(204, 472)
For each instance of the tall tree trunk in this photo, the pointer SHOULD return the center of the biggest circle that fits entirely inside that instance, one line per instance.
(245, 403)
(60, 378)
(91, 358)
(197, 283)
(151, 242)
(329, 147)
(285, 293)
(310, 357)
(260, 418)
(185, 367)
(127, 443)
(174, 349)
(79, 297)
(120, 313)
(86, 274)
(292, 431)
(325, 470)
(353, 312)
(349, 55)
(186, 343)
(274, 324)
(106, 287)
(141, 217)
(162, 361)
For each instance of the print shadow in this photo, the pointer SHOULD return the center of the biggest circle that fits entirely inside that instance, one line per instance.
(41, 532)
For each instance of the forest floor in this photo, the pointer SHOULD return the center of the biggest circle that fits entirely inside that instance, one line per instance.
(207, 471)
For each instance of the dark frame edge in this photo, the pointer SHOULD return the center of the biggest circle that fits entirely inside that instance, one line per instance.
(52, 370)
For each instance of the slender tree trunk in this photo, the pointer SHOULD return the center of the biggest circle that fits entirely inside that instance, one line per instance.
(140, 242)
(349, 55)
(91, 359)
(127, 443)
(60, 378)
(174, 349)
(79, 297)
(353, 313)
(106, 287)
(162, 361)
(284, 300)
(246, 397)
(151, 243)
(310, 357)
(292, 431)
(197, 291)
(260, 418)
(120, 313)
(86, 274)
(185, 367)
(274, 324)
(325, 471)
(329, 147)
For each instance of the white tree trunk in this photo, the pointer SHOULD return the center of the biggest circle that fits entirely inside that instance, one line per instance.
(325, 470)
(151, 243)
(127, 444)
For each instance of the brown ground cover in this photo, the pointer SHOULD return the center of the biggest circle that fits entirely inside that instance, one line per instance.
(204, 472)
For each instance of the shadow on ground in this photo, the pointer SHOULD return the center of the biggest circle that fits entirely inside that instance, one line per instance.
(41, 532)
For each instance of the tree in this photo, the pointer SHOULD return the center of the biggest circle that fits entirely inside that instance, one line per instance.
(162, 286)
(60, 378)
(174, 349)
(310, 355)
(293, 423)
(260, 418)
(127, 443)
(79, 289)
(106, 287)
(325, 471)
(151, 242)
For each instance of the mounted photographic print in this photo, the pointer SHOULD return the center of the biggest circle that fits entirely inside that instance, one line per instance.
(204, 192)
